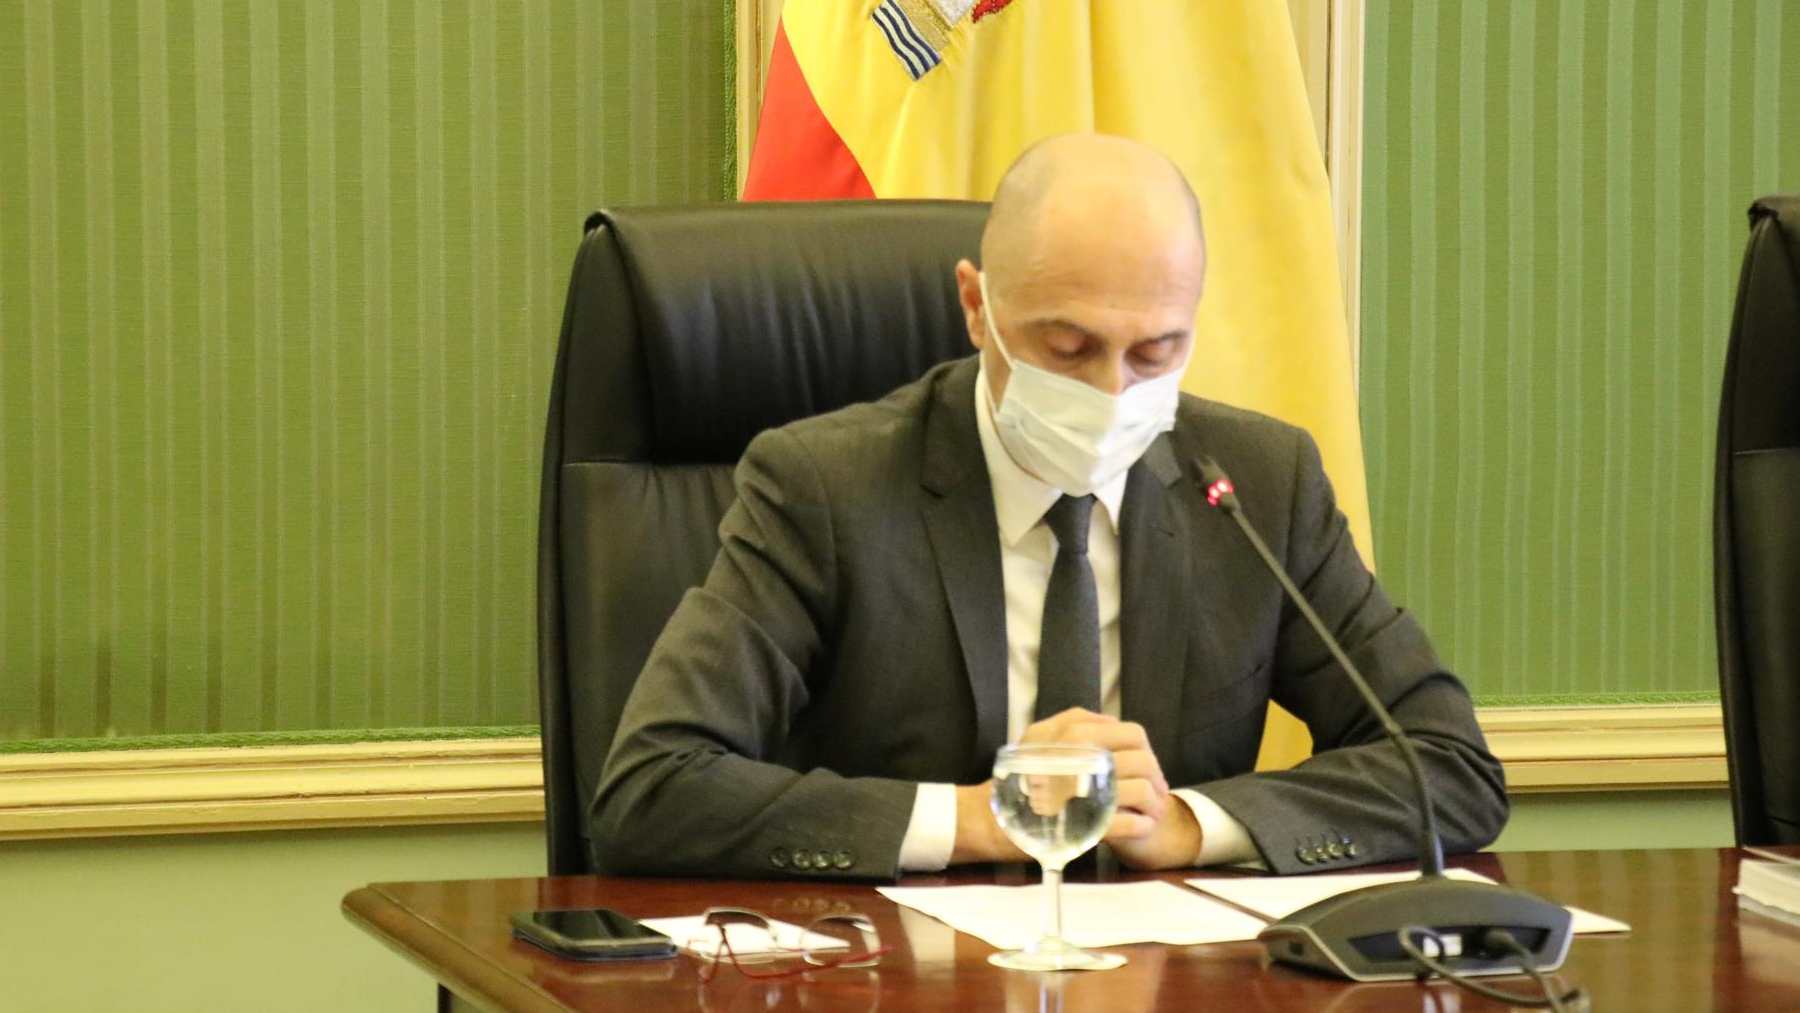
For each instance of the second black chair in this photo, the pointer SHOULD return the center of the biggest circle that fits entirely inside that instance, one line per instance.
(1756, 540)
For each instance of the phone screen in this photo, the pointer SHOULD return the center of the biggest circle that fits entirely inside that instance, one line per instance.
(596, 925)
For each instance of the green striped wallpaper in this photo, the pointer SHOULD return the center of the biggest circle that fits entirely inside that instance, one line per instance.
(1554, 197)
(279, 290)
(279, 284)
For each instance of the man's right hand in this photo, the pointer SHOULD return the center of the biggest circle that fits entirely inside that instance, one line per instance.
(978, 835)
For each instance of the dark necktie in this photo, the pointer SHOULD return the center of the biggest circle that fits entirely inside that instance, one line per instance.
(1069, 645)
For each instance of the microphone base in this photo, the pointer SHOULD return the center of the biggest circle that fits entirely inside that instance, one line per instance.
(1355, 935)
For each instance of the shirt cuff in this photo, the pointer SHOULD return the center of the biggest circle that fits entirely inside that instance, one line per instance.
(931, 833)
(1223, 840)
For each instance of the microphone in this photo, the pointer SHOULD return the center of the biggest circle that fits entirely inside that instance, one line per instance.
(1372, 934)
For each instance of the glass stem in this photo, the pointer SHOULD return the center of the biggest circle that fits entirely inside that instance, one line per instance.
(1053, 898)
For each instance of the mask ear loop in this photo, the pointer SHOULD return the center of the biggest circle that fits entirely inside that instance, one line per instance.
(987, 316)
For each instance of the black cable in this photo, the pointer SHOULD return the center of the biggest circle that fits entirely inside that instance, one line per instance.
(1501, 939)
(1498, 938)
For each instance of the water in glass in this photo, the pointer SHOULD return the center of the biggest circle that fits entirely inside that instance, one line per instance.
(1054, 802)
(1054, 806)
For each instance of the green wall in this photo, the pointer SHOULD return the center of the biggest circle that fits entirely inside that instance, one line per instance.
(279, 285)
(279, 290)
(1554, 198)
(251, 921)
(227, 921)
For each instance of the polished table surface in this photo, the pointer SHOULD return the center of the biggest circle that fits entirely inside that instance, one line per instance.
(1689, 949)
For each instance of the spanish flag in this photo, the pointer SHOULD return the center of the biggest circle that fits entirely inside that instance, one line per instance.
(935, 98)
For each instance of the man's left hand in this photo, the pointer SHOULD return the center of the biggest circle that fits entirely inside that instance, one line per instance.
(1172, 841)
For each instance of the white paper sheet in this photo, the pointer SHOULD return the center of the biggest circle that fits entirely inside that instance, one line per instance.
(1094, 914)
(1279, 896)
(692, 934)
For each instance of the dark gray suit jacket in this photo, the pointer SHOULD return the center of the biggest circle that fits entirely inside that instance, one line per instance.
(850, 642)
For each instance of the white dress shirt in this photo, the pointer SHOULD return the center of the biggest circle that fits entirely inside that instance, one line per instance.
(1027, 551)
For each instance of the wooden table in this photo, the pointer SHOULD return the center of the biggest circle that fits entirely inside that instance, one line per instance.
(1689, 950)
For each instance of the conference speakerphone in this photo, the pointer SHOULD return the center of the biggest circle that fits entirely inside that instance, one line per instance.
(1353, 935)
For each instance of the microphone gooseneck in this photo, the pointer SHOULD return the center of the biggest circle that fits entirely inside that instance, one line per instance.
(1220, 493)
(1373, 933)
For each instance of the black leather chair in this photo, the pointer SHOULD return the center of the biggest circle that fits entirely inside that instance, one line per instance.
(1756, 532)
(687, 332)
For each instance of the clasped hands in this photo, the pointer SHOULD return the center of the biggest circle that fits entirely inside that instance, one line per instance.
(1150, 829)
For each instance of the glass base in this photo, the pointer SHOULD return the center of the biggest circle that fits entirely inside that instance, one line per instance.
(1051, 954)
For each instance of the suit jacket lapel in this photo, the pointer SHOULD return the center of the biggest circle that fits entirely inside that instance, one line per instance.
(1155, 538)
(965, 539)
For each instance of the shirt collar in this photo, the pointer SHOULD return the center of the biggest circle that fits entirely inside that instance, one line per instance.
(1020, 498)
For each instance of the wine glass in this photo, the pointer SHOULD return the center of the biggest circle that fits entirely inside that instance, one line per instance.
(1054, 802)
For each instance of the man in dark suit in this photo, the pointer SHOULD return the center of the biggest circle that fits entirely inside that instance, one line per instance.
(1016, 547)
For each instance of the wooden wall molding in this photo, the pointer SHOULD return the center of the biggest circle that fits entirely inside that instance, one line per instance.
(754, 31)
(1611, 748)
(121, 792)
(1344, 160)
(100, 794)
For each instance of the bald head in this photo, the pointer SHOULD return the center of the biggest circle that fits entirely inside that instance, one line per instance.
(1094, 259)
(1081, 186)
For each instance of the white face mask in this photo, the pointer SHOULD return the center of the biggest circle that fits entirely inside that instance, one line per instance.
(1069, 434)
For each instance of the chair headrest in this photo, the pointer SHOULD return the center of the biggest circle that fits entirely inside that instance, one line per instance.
(712, 323)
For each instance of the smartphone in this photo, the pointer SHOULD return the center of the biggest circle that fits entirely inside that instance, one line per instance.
(591, 934)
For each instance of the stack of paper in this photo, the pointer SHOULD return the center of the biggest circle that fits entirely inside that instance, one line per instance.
(1114, 914)
(1770, 887)
(1093, 914)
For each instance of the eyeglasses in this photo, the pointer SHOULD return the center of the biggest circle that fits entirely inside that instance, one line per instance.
(834, 940)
